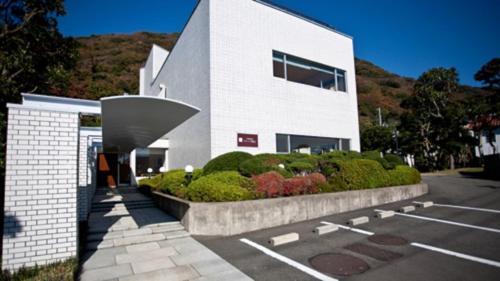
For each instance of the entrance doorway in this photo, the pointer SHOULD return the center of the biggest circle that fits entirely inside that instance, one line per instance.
(113, 169)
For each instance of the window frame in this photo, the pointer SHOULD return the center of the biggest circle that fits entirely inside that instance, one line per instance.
(312, 65)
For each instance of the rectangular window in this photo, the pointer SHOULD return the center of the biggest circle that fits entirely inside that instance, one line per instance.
(303, 71)
(282, 143)
(306, 144)
(279, 65)
(146, 158)
(346, 145)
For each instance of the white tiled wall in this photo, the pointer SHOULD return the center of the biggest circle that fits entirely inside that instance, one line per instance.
(247, 98)
(40, 187)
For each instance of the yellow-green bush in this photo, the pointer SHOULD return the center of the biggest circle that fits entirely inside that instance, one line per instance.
(364, 173)
(403, 175)
(359, 174)
(226, 162)
(220, 187)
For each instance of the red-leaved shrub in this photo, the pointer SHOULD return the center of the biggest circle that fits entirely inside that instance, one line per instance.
(303, 185)
(269, 184)
(316, 180)
(295, 186)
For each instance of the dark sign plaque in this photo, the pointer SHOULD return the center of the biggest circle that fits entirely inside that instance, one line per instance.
(248, 140)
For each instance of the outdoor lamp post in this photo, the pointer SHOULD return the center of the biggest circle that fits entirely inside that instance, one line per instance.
(189, 172)
(281, 166)
(162, 170)
(150, 170)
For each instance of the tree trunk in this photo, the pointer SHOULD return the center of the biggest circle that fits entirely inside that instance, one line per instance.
(452, 162)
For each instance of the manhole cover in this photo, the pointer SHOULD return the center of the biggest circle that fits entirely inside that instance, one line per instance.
(338, 264)
(373, 252)
(387, 239)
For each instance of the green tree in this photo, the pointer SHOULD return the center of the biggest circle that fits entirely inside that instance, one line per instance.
(487, 108)
(379, 138)
(489, 74)
(433, 126)
(34, 56)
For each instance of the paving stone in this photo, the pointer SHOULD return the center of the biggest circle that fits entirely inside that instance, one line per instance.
(137, 239)
(176, 234)
(100, 245)
(212, 266)
(101, 258)
(193, 257)
(183, 245)
(231, 275)
(152, 265)
(145, 255)
(106, 273)
(142, 247)
(167, 228)
(170, 274)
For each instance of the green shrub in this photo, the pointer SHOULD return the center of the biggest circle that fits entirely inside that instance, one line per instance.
(300, 167)
(359, 174)
(226, 162)
(220, 187)
(175, 181)
(394, 159)
(341, 155)
(375, 155)
(263, 163)
(151, 183)
(404, 175)
(172, 181)
(300, 157)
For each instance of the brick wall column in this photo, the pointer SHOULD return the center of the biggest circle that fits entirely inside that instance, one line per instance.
(41, 181)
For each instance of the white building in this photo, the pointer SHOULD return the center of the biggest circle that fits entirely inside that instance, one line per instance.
(244, 75)
(268, 77)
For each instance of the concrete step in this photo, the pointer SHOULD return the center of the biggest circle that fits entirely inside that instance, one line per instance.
(101, 230)
(134, 232)
(99, 207)
(133, 240)
(119, 208)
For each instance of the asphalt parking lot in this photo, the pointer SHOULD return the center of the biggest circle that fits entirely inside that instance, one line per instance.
(442, 242)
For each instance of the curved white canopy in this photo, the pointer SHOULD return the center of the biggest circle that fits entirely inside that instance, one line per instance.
(129, 122)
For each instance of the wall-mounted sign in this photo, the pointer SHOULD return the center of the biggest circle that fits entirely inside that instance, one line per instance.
(248, 140)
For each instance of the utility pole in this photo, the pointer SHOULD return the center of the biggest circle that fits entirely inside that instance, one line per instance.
(379, 116)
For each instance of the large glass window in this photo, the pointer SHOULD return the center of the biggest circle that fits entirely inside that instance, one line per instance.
(145, 158)
(307, 72)
(309, 145)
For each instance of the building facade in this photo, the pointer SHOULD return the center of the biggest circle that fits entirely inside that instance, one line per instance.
(266, 80)
(244, 75)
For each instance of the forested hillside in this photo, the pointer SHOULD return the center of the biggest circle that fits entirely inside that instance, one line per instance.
(109, 65)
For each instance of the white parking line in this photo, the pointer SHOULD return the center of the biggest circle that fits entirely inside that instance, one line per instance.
(469, 208)
(288, 261)
(456, 254)
(351, 228)
(450, 222)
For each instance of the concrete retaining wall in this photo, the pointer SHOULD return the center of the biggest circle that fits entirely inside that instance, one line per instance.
(230, 218)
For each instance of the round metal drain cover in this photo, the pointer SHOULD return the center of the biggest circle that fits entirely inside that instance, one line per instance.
(338, 264)
(387, 239)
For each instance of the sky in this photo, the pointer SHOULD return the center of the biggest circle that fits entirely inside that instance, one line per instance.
(406, 37)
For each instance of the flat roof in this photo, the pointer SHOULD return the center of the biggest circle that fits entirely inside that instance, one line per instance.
(300, 15)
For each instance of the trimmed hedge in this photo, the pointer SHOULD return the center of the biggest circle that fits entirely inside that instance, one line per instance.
(359, 174)
(263, 163)
(220, 187)
(403, 175)
(226, 162)
(364, 173)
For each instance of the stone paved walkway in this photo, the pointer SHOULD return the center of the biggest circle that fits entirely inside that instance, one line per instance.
(130, 239)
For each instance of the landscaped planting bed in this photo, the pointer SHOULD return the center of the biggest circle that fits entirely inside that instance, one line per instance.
(239, 176)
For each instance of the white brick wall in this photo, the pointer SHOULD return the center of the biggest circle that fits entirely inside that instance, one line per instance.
(40, 187)
(87, 159)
